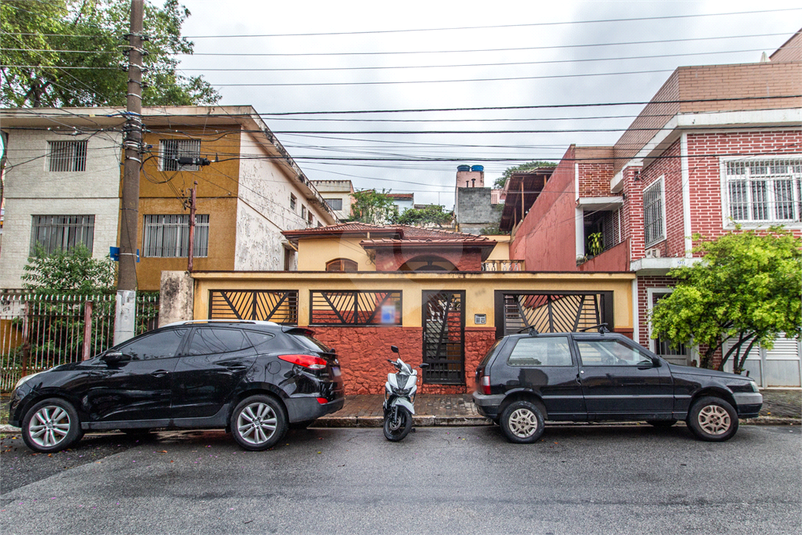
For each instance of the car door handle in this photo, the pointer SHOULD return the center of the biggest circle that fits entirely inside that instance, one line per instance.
(159, 373)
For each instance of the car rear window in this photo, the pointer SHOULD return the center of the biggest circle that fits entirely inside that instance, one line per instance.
(308, 341)
(542, 351)
(490, 352)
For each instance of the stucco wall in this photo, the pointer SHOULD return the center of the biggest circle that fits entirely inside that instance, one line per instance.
(31, 189)
(314, 254)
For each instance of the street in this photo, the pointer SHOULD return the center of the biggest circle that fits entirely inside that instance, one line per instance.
(577, 480)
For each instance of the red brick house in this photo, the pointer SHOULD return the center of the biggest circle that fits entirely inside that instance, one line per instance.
(717, 146)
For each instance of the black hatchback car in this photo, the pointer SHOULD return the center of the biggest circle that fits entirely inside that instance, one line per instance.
(253, 379)
(527, 378)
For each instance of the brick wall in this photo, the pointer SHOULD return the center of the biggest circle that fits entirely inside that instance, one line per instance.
(668, 166)
(363, 354)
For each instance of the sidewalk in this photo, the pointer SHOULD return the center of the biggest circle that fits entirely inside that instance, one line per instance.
(780, 407)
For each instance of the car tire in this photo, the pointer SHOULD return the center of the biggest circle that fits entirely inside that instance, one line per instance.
(258, 423)
(522, 422)
(712, 419)
(51, 425)
(662, 423)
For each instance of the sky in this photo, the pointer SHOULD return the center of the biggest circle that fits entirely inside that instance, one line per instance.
(526, 64)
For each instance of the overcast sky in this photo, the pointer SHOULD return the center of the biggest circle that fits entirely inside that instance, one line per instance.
(310, 56)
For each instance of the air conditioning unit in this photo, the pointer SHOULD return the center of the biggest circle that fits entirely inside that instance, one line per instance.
(654, 252)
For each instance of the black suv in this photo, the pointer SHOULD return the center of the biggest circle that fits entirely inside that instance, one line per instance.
(527, 378)
(252, 378)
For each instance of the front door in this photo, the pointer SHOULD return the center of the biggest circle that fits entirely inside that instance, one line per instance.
(620, 381)
(139, 386)
(444, 337)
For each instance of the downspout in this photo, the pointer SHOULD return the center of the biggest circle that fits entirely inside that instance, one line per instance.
(686, 196)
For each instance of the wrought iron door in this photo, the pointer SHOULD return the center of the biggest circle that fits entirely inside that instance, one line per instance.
(444, 337)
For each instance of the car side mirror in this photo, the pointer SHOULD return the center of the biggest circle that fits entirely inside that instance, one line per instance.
(656, 362)
(114, 357)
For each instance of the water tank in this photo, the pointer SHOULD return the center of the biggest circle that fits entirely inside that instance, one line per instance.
(463, 168)
(478, 168)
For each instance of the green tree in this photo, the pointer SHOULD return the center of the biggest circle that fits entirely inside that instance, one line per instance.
(746, 289)
(73, 272)
(59, 53)
(431, 214)
(528, 166)
(372, 207)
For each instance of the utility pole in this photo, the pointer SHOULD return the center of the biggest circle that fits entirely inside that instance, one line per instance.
(192, 199)
(125, 320)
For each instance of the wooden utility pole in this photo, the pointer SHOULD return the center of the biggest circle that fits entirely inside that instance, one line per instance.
(132, 143)
(192, 199)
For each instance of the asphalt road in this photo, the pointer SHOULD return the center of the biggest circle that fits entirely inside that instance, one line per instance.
(577, 480)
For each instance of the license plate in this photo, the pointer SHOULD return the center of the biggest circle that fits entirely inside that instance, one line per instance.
(335, 371)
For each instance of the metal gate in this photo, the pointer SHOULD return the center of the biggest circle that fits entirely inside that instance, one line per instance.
(444, 337)
(279, 306)
(552, 312)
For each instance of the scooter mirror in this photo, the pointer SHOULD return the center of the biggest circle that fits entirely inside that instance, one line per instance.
(394, 349)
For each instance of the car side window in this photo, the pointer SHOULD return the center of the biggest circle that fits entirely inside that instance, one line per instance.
(265, 342)
(161, 345)
(213, 341)
(610, 353)
(545, 351)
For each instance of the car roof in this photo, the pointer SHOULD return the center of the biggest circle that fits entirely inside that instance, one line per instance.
(238, 323)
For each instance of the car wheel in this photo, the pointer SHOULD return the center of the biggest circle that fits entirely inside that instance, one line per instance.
(51, 425)
(713, 419)
(258, 423)
(661, 423)
(522, 422)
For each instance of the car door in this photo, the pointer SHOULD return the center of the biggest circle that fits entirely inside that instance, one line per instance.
(543, 364)
(621, 381)
(137, 385)
(214, 363)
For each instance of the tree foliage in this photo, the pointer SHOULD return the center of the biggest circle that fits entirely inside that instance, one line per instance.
(73, 272)
(746, 290)
(528, 166)
(68, 53)
(374, 208)
(430, 214)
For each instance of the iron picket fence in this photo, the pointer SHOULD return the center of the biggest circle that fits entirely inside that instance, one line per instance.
(39, 331)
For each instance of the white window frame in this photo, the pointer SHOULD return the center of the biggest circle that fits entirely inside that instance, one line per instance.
(769, 212)
(167, 236)
(659, 183)
(169, 149)
(66, 156)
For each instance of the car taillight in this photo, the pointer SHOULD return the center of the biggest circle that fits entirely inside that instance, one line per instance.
(485, 385)
(307, 361)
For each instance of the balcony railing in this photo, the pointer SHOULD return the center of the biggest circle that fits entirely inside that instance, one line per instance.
(504, 265)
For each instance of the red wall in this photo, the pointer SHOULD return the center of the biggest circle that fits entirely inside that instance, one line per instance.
(363, 354)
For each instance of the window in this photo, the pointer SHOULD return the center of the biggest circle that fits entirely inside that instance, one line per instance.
(62, 232)
(167, 236)
(172, 149)
(293, 202)
(334, 204)
(341, 264)
(759, 191)
(654, 213)
(310, 218)
(542, 351)
(355, 308)
(64, 156)
(610, 353)
(162, 345)
(214, 341)
(662, 347)
(303, 212)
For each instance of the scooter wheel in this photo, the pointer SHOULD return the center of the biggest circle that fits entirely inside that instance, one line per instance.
(397, 430)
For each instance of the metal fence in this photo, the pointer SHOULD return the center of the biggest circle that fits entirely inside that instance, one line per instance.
(38, 332)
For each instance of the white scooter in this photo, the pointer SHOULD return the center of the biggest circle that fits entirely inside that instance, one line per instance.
(399, 399)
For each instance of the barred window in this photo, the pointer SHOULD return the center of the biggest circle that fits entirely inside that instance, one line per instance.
(65, 156)
(293, 202)
(172, 149)
(759, 191)
(167, 236)
(355, 308)
(62, 232)
(654, 213)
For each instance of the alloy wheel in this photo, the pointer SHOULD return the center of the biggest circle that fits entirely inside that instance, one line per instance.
(257, 423)
(49, 426)
(523, 423)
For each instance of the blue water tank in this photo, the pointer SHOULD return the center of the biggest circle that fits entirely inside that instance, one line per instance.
(478, 168)
(463, 168)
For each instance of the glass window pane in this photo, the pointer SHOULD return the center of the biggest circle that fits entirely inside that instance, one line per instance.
(543, 351)
(155, 346)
